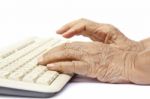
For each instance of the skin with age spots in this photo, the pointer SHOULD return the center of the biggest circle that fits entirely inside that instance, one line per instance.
(111, 57)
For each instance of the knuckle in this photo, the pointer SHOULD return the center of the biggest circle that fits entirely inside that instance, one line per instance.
(46, 54)
(82, 19)
(65, 53)
(74, 66)
(109, 27)
(65, 45)
(71, 45)
(70, 53)
(73, 50)
(59, 66)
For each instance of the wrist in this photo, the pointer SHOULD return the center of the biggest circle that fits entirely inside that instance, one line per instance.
(118, 68)
(136, 46)
(131, 46)
(141, 71)
(129, 66)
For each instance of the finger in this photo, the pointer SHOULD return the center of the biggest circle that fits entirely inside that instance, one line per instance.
(77, 67)
(66, 27)
(57, 48)
(53, 50)
(62, 47)
(63, 29)
(67, 45)
(64, 55)
(77, 29)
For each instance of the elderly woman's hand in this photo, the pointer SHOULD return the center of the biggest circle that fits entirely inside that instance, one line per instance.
(91, 59)
(105, 33)
(114, 58)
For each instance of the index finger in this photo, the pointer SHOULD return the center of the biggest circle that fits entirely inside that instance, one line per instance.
(65, 55)
(63, 29)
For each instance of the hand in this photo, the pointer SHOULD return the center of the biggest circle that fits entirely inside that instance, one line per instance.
(146, 43)
(105, 33)
(91, 59)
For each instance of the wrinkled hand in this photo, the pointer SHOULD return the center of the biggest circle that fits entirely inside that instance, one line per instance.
(112, 57)
(105, 33)
(91, 59)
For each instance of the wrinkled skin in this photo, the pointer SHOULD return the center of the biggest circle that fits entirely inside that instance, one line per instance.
(105, 33)
(91, 59)
(111, 57)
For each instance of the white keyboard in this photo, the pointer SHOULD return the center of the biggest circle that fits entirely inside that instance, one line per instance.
(20, 75)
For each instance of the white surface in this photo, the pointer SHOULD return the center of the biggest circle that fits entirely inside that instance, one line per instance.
(24, 18)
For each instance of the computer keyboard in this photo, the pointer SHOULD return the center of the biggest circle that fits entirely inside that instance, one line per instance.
(20, 75)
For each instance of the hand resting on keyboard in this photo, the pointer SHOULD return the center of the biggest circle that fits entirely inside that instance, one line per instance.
(114, 58)
(21, 75)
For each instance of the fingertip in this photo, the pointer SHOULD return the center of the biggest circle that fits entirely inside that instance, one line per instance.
(67, 35)
(59, 31)
(62, 30)
(52, 66)
(40, 60)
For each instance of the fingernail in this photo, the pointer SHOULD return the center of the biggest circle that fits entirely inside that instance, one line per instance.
(58, 31)
(40, 59)
(50, 65)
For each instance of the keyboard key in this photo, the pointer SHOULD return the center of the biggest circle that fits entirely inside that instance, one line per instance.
(18, 74)
(19, 68)
(9, 69)
(34, 74)
(9, 51)
(3, 74)
(47, 78)
(22, 53)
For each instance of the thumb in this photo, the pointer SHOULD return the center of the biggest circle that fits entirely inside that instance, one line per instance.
(76, 67)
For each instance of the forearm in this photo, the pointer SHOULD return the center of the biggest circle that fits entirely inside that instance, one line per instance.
(141, 70)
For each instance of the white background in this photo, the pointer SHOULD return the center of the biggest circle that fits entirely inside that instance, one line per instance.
(24, 18)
